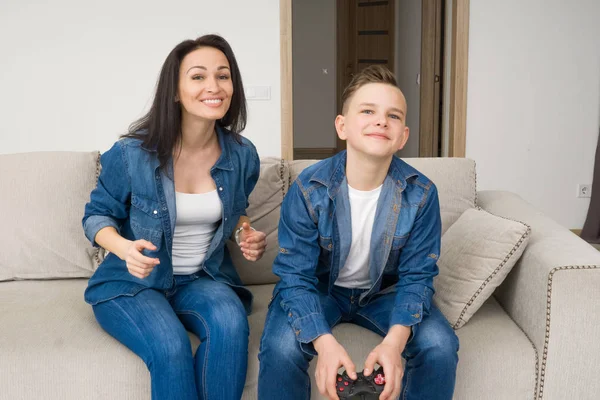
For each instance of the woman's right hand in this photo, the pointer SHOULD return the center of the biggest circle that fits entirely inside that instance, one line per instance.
(129, 251)
(138, 264)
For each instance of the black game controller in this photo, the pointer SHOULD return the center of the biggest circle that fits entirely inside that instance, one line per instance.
(363, 388)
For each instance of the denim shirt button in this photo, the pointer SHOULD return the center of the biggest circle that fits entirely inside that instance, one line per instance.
(221, 188)
(155, 212)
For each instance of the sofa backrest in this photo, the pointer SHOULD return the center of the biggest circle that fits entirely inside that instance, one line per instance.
(265, 204)
(454, 178)
(43, 197)
(41, 206)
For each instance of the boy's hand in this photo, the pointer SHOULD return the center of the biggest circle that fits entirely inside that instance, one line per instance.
(389, 355)
(332, 356)
(252, 243)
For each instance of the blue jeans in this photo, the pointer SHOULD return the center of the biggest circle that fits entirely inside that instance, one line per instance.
(153, 325)
(431, 352)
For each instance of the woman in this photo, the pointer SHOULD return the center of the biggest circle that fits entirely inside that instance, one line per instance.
(171, 192)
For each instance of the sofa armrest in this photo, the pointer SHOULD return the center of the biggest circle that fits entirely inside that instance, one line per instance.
(553, 294)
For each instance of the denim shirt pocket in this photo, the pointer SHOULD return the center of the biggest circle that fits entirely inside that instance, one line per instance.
(397, 244)
(145, 220)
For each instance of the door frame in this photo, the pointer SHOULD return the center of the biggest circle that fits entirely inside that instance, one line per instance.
(430, 135)
(459, 58)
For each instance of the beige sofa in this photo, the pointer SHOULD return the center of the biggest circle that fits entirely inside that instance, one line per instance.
(537, 337)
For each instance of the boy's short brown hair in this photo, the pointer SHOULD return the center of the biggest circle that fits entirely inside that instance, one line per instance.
(371, 74)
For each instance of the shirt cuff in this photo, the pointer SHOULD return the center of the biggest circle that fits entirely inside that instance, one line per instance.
(407, 314)
(310, 327)
(93, 225)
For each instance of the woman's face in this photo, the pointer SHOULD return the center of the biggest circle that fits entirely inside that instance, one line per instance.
(205, 86)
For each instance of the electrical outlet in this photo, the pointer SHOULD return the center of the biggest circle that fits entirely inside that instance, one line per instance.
(584, 190)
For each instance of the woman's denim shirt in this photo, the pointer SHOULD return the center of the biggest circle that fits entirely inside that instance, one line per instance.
(315, 234)
(137, 198)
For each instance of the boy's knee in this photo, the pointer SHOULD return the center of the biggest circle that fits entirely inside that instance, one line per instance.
(281, 346)
(440, 346)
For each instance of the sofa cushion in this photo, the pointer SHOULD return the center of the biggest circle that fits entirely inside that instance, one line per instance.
(263, 210)
(478, 252)
(53, 349)
(455, 180)
(45, 194)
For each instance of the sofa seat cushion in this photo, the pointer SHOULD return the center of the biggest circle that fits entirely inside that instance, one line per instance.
(53, 348)
(496, 360)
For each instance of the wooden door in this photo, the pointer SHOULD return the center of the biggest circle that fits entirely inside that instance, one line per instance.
(365, 36)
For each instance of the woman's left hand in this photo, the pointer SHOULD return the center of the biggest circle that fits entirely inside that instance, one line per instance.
(252, 243)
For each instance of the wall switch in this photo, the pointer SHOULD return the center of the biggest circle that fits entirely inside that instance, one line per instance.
(258, 92)
(584, 190)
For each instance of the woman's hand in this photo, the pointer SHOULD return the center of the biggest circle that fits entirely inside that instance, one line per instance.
(138, 264)
(252, 243)
(129, 251)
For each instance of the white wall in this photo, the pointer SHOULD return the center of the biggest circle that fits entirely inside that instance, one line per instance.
(407, 60)
(533, 105)
(75, 74)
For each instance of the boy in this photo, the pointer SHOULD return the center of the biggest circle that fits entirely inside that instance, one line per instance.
(359, 237)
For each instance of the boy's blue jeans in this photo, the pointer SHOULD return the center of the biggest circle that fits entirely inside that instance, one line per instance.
(153, 325)
(431, 353)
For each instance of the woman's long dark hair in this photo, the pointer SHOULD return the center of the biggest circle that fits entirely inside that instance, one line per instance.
(160, 128)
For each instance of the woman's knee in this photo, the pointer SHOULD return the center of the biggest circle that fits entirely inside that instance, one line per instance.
(228, 320)
(170, 348)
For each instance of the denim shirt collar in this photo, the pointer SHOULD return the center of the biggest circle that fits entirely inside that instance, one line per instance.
(223, 162)
(333, 174)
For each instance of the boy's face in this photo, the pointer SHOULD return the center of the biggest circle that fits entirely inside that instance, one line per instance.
(375, 121)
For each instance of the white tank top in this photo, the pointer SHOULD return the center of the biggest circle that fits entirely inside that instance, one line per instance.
(198, 217)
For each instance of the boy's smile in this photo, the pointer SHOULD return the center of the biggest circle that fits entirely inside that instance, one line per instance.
(374, 122)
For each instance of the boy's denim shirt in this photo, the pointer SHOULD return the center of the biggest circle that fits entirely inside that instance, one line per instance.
(315, 233)
(137, 198)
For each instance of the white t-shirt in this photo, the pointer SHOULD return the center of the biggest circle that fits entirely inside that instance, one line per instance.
(198, 217)
(355, 272)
